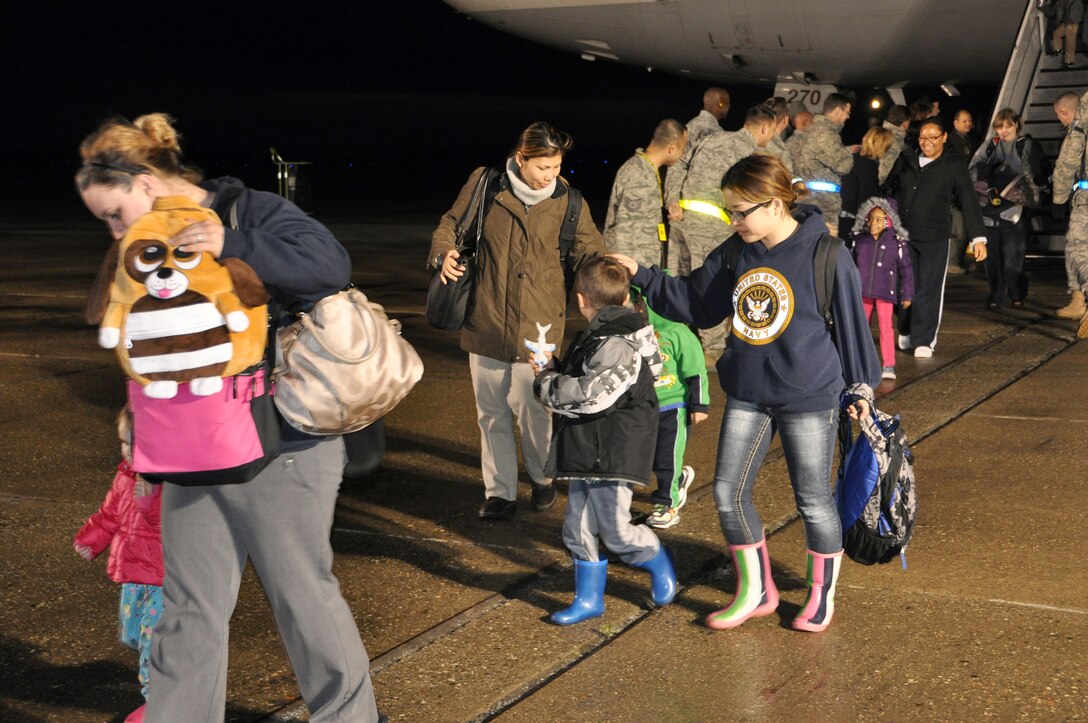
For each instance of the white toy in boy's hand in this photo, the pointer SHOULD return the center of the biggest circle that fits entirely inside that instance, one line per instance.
(540, 347)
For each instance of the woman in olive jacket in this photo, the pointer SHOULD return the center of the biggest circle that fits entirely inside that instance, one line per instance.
(520, 282)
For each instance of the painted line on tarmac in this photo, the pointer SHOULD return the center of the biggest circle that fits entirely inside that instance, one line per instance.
(994, 600)
(1033, 419)
(446, 541)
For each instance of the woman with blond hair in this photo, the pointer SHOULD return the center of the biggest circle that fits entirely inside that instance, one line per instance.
(281, 519)
(863, 180)
(784, 371)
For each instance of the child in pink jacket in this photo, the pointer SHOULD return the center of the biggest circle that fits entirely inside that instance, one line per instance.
(128, 523)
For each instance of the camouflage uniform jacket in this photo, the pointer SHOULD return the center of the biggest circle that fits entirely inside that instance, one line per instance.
(777, 148)
(698, 127)
(717, 155)
(899, 137)
(634, 210)
(1071, 156)
(823, 157)
(519, 279)
(794, 144)
(604, 401)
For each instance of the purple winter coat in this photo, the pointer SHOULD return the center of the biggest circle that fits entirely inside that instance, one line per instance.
(885, 268)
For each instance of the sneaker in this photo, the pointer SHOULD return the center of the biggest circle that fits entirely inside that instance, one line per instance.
(543, 496)
(663, 517)
(904, 342)
(687, 476)
(887, 373)
(496, 508)
(922, 352)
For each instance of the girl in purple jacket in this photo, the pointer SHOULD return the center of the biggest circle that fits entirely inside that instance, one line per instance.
(880, 251)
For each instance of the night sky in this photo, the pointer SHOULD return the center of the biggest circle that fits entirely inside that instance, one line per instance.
(394, 102)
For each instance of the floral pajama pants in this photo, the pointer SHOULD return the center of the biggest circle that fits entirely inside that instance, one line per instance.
(140, 610)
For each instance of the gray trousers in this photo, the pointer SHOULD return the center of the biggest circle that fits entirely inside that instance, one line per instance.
(504, 390)
(604, 509)
(281, 520)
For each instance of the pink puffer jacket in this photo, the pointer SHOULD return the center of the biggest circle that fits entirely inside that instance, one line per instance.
(133, 536)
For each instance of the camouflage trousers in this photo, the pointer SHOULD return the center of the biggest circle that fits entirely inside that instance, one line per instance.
(690, 242)
(1076, 249)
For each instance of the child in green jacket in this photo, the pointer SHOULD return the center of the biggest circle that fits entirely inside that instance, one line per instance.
(683, 397)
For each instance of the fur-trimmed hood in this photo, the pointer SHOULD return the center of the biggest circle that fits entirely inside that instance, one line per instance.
(891, 209)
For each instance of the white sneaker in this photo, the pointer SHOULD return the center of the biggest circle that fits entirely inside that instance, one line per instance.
(922, 352)
(687, 476)
(887, 373)
(663, 517)
(904, 342)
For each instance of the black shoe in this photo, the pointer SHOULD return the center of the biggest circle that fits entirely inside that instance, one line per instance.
(1018, 303)
(1069, 65)
(992, 305)
(543, 496)
(496, 508)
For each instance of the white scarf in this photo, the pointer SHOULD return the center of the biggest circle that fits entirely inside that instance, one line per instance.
(528, 196)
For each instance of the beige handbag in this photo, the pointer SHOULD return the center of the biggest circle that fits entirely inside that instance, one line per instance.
(342, 366)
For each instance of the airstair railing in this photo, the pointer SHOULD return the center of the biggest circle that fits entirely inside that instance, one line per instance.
(1024, 61)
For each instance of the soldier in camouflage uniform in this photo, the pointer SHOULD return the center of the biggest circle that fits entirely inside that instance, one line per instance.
(715, 107)
(897, 122)
(634, 225)
(777, 147)
(801, 123)
(704, 226)
(1068, 171)
(824, 159)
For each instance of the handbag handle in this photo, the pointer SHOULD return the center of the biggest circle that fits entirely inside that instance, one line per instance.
(475, 205)
(304, 320)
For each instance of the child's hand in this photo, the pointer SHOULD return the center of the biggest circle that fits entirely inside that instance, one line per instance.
(550, 363)
(697, 417)
(83, 551)
(905, 304)
(858, 409)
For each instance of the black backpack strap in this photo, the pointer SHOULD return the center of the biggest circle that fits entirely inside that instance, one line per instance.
(569, 229)
(733, 246)
(824, 263)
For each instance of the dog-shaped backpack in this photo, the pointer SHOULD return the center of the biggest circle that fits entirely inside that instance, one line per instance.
(175, 316)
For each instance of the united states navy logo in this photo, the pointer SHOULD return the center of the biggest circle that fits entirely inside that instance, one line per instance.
(763, 306)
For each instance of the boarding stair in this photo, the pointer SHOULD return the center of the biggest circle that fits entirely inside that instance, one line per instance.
(1033, 81)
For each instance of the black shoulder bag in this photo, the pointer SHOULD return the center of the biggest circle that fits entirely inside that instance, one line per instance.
(449, 303)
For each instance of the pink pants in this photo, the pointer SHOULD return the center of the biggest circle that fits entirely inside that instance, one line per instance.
(887, 332)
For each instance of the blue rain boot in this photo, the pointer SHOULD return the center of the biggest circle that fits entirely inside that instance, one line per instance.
(589, 579)
(662, 576)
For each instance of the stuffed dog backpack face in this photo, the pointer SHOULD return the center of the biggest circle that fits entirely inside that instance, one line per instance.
(176, 316)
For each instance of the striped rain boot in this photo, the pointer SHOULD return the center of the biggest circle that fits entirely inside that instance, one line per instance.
(756, 593)
(823, 573)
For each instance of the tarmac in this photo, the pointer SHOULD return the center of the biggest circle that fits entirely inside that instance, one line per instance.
(988, 621)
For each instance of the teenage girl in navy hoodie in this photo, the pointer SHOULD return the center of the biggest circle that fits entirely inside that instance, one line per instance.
(783, 371)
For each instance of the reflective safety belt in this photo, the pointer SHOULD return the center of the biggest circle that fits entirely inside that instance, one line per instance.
(1081, 186)
(705, 207)
(823, 186)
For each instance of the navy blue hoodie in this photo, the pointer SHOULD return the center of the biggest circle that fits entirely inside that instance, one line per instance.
(780, 353)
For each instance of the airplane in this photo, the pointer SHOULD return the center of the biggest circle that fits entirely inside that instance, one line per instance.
(806, 48)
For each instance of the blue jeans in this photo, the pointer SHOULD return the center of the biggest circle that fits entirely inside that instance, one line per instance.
(808, 440)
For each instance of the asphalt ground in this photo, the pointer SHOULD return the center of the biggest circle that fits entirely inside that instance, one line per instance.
(989, 619)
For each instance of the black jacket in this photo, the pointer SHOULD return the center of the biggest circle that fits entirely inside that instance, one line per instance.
(926, 194)
(605, 422)
(860, 184)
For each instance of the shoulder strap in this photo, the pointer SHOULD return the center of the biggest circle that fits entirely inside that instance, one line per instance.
(733, 246)
(227, 200)
(569, 229)
(475, 205)
(824, 263)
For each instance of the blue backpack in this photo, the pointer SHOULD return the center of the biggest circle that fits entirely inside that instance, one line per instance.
(876, 493)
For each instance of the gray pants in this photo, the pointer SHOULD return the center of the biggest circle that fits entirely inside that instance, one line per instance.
(690, 243)
(281, 521)
(604, 509)
(504, 390)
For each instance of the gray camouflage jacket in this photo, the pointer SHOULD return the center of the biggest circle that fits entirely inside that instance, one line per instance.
(634, 211)
(698, 127)
(899, 137)
(1071, 157)
(777, 148)
(823, 157)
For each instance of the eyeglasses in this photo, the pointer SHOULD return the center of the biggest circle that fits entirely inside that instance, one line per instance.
(930, 139)
(741, 215)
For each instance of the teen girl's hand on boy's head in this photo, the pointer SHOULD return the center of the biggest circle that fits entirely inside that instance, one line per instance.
(83, 551)
(627, 262)
(697, 417)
